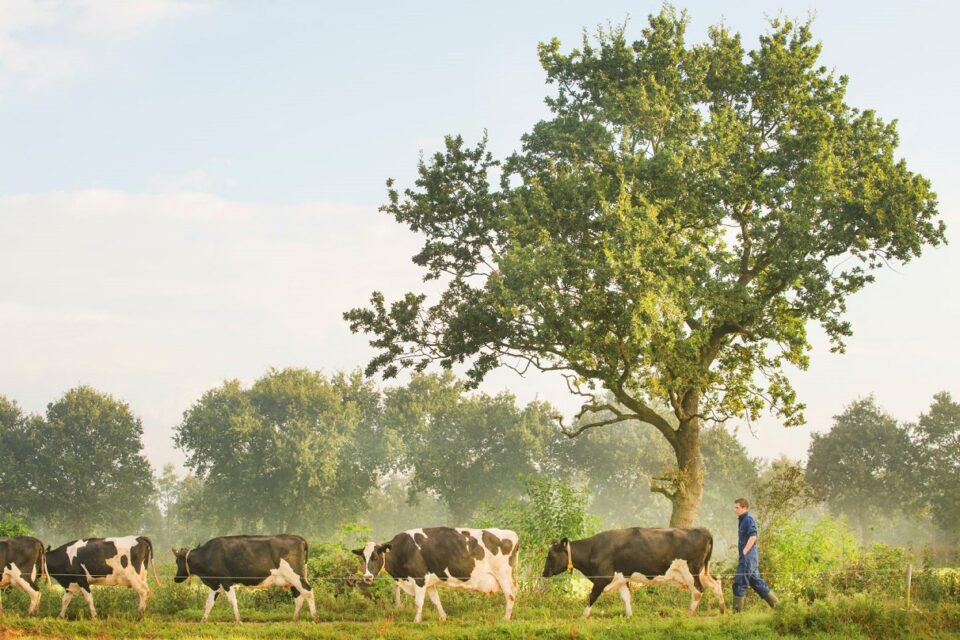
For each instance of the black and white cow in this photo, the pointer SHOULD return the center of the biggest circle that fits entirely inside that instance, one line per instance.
(120, 562)
(22, 560)
(253, 561)
(613, 559)
(420, 560)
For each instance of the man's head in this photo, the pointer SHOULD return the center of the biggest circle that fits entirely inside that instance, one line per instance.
(741, 506)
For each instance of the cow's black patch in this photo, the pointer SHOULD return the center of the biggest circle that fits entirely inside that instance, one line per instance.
(123, 561)
(491, 542)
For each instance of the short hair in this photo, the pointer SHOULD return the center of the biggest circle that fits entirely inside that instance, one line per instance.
(742, 502)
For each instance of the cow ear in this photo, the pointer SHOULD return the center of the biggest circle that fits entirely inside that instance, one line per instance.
(383, 548)
(357, 552)
(564, 541)
(174, 551)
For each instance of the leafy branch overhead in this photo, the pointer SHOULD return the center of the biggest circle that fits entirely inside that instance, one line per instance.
(667, 234)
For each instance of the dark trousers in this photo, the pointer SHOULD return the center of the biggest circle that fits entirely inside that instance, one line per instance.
(748, 573)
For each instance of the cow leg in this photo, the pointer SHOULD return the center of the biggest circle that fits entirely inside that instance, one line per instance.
(396, 594)
(599, 585)
(685, 580)
(311, 604)
(626, 596)
(232, 597)
(297, 605)
(418, 594)
(214, 593)
(67, 597)
(509, 592)
(1, 599)
(714, 585)
(435, 599)
(142, 590)
(88, 596)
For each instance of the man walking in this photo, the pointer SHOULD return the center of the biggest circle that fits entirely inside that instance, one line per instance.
(748, 568)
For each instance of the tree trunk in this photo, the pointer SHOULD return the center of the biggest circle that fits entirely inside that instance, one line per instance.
(689, 491)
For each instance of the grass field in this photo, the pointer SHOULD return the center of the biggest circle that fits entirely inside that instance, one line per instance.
(545, 610)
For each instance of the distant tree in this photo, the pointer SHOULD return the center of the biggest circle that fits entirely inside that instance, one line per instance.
(864, 464)
(92, 477)
(667, 234)
(617, 466)
(291, 453)
(937, 474)
(782, 491)
(467, 449)
(19, 455)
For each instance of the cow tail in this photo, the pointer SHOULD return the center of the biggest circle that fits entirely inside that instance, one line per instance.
(706, 558)
(43, 564)
(152, 559)
(306, 560)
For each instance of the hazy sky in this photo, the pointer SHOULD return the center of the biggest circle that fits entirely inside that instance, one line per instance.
(188, 190)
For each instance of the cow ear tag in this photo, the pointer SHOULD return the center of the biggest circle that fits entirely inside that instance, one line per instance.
(383, 567)
(569, 559)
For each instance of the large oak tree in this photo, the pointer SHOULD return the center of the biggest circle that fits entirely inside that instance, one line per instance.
(666, 235)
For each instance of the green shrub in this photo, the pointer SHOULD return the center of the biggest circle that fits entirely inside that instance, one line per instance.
(12, 526)
(547, 511)
(799, 561)
(866, 615)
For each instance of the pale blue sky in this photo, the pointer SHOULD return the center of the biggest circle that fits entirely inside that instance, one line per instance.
(188, 191)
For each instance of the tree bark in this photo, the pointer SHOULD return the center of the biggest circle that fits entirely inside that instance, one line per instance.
(688, 495)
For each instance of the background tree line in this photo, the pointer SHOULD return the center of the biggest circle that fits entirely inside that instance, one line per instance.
(301, 451)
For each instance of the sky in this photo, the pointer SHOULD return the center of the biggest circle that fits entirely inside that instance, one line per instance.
(189, 190)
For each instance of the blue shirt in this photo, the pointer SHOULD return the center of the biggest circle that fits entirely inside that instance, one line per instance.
(748, 527)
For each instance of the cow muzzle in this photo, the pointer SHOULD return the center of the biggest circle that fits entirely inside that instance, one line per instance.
(368, 578)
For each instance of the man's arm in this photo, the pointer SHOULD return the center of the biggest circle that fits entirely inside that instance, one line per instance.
(750, 542)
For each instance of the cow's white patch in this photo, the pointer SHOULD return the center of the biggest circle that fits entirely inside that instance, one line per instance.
(74, 548)
(413, 535)
(367, 552)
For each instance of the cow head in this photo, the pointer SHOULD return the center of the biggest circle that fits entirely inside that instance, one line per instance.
(182, 572)
(374, 557)
(557, 558)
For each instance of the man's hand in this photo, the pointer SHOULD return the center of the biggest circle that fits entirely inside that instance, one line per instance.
(750, 542)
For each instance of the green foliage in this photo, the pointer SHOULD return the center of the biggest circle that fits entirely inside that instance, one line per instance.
(848, 616)
(95, 477)
(800, 560)
(20, 448)
(937, 435)
(547, 511)
(667, 233)
(864, 464)
(782, 491)
(295, 452)
(466, 449)
(12, 526)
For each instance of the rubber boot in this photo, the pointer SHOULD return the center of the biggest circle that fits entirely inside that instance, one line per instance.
(738, 604)
(771, 599)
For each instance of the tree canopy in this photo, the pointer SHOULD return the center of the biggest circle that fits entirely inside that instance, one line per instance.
(667, 234)
(293, 445)
(95, 479)
(937, 435)
(865, 464)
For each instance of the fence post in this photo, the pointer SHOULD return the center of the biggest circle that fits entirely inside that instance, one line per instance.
(909, 582)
